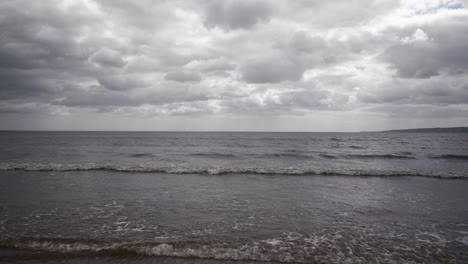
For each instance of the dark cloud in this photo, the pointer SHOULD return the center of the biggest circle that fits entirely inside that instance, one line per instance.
(106, 57)
(302, 42)
(236, 14)
(431, 50)
(122, 82)
(274, 69)
(95, 96)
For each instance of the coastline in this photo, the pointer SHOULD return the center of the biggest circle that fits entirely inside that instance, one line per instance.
(10, 255)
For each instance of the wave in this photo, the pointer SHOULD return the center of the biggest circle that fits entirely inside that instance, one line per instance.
(356, 147)
(141, 155)
(328, 156)
(408, 153)
(317, 249)
(451, 156)
(285, 154)
(219, 251)
(224, 171)
(288, 155)
(379, 156)
(301, 155)
(213, 155)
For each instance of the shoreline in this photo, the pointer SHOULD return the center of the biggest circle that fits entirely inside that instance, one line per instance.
(17, 256)
(106, 217)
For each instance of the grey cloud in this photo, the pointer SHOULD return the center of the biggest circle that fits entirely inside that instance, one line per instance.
(183, 76)
(339, 13)
(211, 65)
(95, 96)
(302, 42)
(27, 108)
(174, 58)
(413, 60)
(291, 58)
(107, 57)
(30, 85)
(439, 90)
(444, 50)
(140, 15)
(311, 51)
(235, 14)
(122, 82)
(307, 98)
(406, 111)
(282, 99)
(243, 57)
(274, 69)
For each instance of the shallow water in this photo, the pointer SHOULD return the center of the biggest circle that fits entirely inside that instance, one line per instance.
(249, 217)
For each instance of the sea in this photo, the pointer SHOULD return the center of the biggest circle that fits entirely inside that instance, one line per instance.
(233, 197)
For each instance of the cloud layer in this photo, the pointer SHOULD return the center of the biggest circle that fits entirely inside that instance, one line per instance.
(381, 63)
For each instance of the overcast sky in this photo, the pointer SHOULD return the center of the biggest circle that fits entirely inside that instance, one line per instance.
(303, 65)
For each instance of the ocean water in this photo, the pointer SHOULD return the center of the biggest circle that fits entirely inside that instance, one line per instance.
(277, 197)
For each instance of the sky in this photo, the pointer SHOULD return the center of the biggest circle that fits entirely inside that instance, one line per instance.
(233, 65)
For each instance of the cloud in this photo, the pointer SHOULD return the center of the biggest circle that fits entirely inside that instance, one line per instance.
(272, 69)
(432, 49)
(232, 14)
(304, 43)
(107, 58)
(245, 58)
(123, 82)
(183, 76)
(211, 65)
(438, 90)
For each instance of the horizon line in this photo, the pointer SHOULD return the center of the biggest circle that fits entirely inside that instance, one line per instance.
(229, 131)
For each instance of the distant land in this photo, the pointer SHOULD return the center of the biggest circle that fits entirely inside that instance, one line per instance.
(432, 130)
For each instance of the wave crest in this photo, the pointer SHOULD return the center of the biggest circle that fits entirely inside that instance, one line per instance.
(318, 250)
(222, 171)
(379, 156)
(181, 249)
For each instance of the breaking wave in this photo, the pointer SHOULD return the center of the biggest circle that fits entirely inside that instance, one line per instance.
(356, 147)
(213, 155)
(451, 157)
(318, 249)
(289, 155)
(328, 156)
(264, 251)
(222, 171)
(141, 155)
(285, 154)
(379, 156)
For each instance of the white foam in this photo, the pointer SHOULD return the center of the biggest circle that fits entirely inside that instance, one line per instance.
(428, 237)
(463, 240)
(277, 250)
(315, 241)
(273, 241)
(218, 171)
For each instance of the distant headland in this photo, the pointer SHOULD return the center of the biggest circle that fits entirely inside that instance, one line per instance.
(432, 130)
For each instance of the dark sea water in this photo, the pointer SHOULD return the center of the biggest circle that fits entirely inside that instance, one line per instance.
(288, 197)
